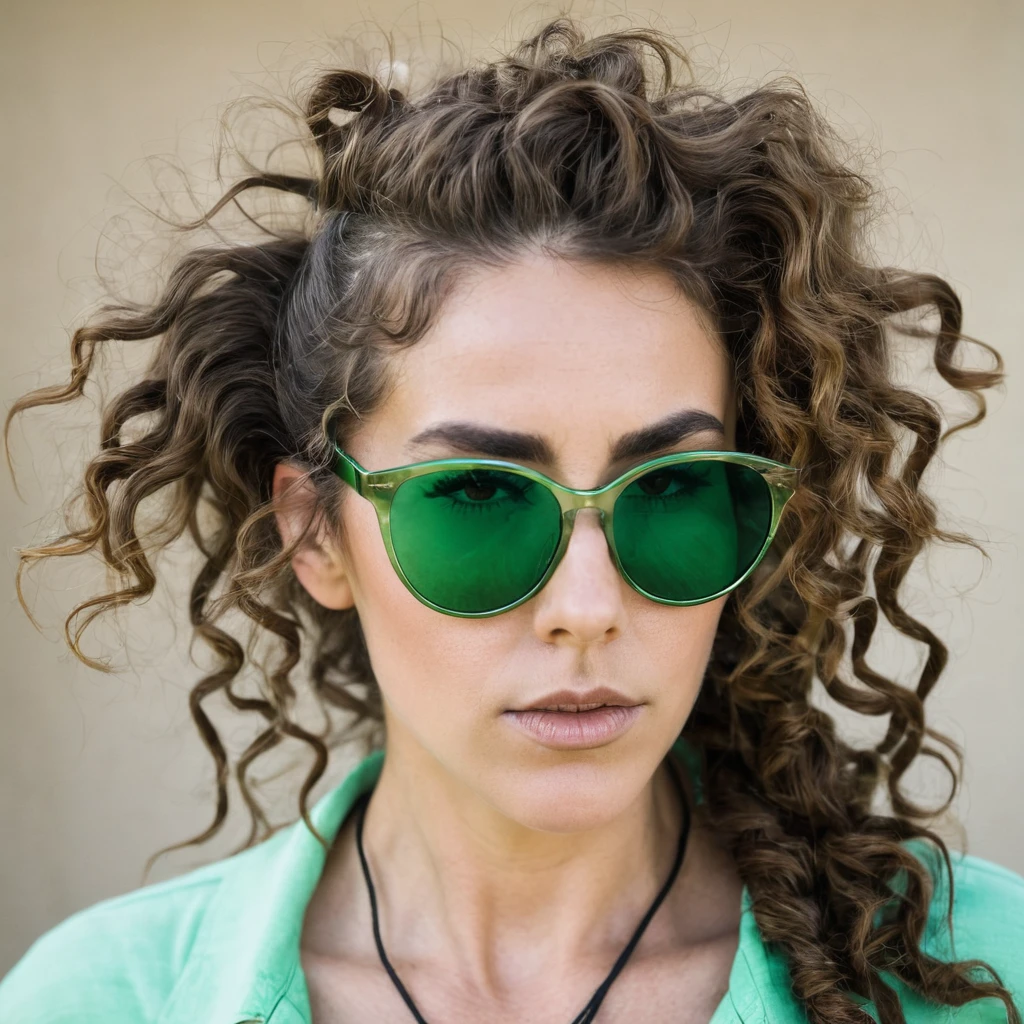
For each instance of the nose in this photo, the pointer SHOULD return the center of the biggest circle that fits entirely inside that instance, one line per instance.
(583, 600)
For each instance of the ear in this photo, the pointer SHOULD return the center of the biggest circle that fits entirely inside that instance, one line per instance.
(318, 563)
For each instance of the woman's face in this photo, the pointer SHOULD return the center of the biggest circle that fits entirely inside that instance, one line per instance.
(579, 356)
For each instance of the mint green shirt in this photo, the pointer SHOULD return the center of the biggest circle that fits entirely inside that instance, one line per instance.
(220, 944)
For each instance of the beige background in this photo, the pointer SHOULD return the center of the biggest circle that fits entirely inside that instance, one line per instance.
(98, 771)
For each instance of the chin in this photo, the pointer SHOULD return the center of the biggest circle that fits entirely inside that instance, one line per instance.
(560, 800)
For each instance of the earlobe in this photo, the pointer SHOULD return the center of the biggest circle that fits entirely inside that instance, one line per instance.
(317, 563)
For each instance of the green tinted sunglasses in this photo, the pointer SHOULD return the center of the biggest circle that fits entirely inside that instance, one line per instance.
(477, 537)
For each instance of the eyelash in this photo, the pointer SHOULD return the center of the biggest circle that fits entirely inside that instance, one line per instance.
(451, 484)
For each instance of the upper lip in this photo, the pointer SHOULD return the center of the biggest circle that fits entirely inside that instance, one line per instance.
(571, 699)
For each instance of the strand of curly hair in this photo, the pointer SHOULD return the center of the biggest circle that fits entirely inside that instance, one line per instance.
(567, 145)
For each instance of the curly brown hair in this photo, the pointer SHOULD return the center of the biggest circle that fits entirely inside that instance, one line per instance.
(569, 143)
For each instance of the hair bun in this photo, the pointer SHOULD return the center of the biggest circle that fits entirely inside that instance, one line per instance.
(347, 89)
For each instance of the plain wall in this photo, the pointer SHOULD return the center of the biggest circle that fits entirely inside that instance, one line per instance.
(98, 771)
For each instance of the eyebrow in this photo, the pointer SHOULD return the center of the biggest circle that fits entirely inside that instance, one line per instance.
(494, 442)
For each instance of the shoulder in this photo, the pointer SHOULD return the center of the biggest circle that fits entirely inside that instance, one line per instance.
(988, 925)
(217, 943)
(117, 961)
(988, 902)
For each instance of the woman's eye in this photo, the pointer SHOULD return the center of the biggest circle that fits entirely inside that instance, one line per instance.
(479, 492)
(667, 482)
(476, 488)
(655, 483)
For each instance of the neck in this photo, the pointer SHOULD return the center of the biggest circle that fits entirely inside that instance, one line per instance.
(460, 882)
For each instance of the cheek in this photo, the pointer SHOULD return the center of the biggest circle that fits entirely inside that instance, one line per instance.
(428, 665)
(676, 645)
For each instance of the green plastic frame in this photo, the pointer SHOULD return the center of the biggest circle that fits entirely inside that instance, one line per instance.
(379, 488)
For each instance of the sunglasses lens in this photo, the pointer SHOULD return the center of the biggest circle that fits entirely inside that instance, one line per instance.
(688, 531)
(474, 540)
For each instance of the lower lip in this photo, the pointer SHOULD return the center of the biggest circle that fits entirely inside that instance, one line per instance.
(571, 730)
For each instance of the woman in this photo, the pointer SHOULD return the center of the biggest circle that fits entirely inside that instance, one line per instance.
(543, 441)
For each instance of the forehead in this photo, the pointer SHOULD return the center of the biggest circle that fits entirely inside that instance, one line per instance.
(580, 353)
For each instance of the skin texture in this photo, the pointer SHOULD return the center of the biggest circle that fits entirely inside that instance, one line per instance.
(500, 898)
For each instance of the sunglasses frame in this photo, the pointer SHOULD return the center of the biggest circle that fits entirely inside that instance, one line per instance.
(379, 488)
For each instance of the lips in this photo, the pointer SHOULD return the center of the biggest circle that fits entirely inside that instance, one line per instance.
(581, 730)
(576, 701)
(568, 707)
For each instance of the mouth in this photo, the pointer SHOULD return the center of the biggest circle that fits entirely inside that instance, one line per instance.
(574, 708)
(575, 725)
(576, 702)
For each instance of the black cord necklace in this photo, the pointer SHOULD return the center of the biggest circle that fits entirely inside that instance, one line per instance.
(589, 1012)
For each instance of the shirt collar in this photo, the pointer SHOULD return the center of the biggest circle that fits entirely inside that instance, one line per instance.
(244, 961)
